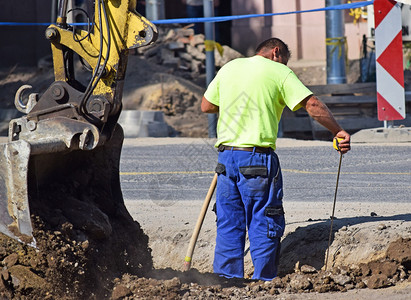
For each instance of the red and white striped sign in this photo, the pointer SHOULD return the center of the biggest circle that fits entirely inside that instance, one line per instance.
(390, 70)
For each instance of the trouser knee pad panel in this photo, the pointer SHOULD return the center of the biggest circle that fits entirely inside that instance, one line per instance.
(275, 221)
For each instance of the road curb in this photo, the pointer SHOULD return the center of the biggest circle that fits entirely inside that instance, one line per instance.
(383, 135)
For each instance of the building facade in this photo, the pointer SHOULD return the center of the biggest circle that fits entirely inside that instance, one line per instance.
(303, 32)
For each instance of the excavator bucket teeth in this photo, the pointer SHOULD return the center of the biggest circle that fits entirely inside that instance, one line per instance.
(14, 206)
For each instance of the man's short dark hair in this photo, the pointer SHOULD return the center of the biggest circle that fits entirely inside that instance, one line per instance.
(271, 44)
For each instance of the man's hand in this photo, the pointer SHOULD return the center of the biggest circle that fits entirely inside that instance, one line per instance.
(345, 144)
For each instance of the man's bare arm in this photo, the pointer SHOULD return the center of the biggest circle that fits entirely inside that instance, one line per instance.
(208, 107)
(320, 112)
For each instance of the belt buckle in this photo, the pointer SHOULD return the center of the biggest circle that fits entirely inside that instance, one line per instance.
(221, 148)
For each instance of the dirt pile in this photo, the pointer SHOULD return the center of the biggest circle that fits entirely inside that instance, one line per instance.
(387, 271)
(185, 52)
(67, 268)
(178, 98)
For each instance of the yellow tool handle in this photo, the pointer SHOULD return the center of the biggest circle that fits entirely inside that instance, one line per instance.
(336, 143)
(194, 237)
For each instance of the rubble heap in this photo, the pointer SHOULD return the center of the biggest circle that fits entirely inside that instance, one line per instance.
(391, 270)
(184, 52)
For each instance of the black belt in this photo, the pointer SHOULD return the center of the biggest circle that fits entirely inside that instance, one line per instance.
(221, 148)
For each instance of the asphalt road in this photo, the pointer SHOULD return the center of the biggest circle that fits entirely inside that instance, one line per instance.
(183, 169)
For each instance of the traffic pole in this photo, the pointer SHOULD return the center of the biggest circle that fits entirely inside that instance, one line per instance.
(335, 44)
(209, 30)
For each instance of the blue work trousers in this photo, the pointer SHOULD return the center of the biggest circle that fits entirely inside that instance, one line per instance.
(249, 195)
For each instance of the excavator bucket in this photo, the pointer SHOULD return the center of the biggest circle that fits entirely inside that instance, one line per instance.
(64, 153)
(49, 183)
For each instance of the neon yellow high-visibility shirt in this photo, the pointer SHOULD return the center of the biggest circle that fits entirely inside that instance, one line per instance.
(251, 94)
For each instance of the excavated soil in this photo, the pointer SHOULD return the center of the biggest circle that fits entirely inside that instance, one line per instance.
(385, 272)
(67, 268)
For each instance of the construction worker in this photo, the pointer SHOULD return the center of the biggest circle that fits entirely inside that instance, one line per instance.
(250, 94)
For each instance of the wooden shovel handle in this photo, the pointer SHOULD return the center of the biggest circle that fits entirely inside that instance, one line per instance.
(194, 237)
